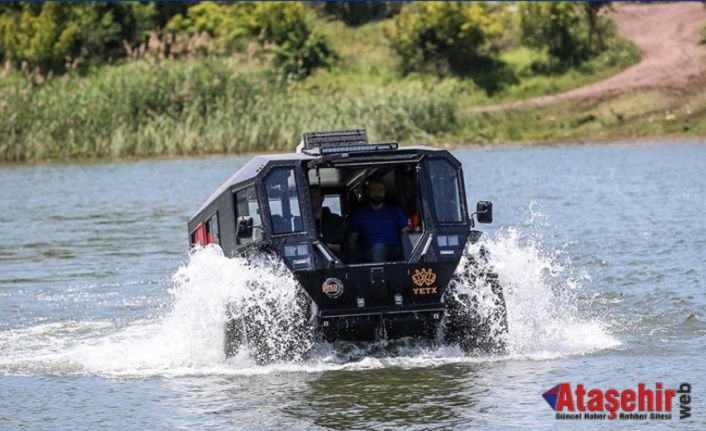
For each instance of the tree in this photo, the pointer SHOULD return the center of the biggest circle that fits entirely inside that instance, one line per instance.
(443, 36)
(569, 32)
(361, 12)
(285, 27)
(556, 28)
(450, 37)
(46, 34)
(593, 9)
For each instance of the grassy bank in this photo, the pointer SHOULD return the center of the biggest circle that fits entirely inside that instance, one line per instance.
(196, 107)
(646, 114)
(152, 107)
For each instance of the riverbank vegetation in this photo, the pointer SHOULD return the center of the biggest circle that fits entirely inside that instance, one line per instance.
(114, 80)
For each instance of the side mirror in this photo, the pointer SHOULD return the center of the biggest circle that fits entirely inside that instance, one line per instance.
(484, 212)
(243, 227)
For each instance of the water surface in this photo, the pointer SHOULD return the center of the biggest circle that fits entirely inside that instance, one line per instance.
(106, 321)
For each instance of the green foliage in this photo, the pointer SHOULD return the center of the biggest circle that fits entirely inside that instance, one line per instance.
(444, 34)
(108, 25)
(44, 35)
(570, 33)
(444, 37)
(196, 107)
(284, 27)
(556, 27)
(163, 104)
(300, 47)
(361, 12)
(227, 24)
(39, 39)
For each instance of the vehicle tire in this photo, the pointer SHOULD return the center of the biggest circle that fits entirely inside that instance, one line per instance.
(234, 333)
(268, 337)
(466, 326)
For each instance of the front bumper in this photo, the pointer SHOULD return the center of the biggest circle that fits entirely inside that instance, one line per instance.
(374, 323)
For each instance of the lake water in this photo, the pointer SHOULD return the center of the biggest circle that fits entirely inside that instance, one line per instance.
(107, 322)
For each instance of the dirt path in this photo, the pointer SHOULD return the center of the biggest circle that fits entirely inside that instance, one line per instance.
(668, 37)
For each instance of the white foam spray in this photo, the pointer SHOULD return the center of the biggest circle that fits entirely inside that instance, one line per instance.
(190, 338)
(540, 288)
(541, 295)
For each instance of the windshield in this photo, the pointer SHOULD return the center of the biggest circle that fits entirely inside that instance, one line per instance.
(281, 189)
(446, 191)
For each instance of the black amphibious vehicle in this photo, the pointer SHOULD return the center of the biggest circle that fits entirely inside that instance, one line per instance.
(266, 209)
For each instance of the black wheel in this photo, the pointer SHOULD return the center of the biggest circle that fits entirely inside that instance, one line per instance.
(234, 333)
(269, 334)
(476, 331)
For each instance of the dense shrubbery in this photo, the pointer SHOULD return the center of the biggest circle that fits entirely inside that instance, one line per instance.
(148, 108)
(451, 37)
(286, 29)
(444, 36)
(361, 12)
(299, 47)
(45, 35)
(438, 37)
(227, 24)
(48, 35)
(570, 33)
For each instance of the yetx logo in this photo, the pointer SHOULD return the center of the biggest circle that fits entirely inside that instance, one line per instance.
(629, 404)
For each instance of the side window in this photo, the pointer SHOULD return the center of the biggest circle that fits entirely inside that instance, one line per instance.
(246, 204)
(198, 236)
(212, 229)
(447, 191)
(206, 233)
(333, 202)
(282, 197)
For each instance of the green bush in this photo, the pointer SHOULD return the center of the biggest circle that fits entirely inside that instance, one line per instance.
(570, 33)
(300, 47)
(44, 35)
(443, 36)
(144, 108)
(285, 28)
(227, 24)
(41, 39)
(361, 12)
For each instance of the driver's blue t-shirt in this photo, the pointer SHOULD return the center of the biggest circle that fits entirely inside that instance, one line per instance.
(381, 226)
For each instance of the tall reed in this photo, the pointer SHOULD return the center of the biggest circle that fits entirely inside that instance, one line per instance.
(179, 107)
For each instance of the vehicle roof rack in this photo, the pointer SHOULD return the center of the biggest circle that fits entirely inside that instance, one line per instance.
(340, 142)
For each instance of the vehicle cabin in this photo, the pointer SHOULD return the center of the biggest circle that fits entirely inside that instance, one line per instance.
(268, 200)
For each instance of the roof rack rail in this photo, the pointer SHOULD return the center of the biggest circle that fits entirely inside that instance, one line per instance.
(339, 142)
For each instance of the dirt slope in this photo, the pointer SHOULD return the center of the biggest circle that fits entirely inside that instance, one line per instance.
(668, 36)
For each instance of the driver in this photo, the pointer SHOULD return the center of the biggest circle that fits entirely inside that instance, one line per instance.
(379, 224)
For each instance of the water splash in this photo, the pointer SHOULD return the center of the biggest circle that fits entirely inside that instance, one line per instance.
(541, 290)
(191, 336)
(541, 293)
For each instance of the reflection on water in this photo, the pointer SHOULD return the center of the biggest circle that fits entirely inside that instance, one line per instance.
(418, 398)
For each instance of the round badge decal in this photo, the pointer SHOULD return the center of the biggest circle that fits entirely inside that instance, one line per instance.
(332, 287)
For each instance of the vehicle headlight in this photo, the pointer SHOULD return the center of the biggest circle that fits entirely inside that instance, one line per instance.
(448, 245)
(298, 255)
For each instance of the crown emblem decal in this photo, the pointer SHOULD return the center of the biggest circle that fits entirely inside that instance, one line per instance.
(424, 277)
